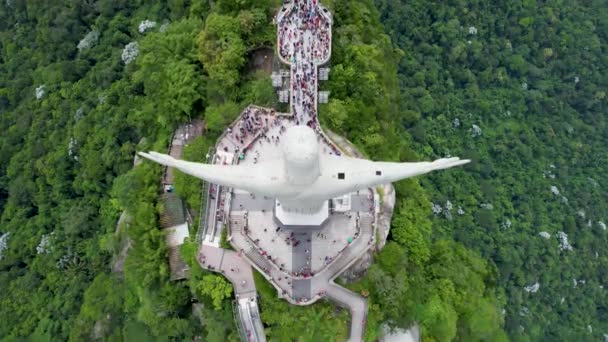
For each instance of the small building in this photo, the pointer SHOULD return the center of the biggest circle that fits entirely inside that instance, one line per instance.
(284, 96)
(277, 80)
(341, 204)
(401, 335)
(323, 96)
(323, 74)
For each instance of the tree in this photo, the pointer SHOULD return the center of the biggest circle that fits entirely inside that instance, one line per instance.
(258, 90)
(102, 303)
(216, 287)
(438, 319)
(335, 114)
(186, 187)
(218, 117)
(222, 50)
(170, 71)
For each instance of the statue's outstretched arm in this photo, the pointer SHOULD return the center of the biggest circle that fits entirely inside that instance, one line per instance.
(392, 172)
(351, 174)
(241, 177)
(446, 163)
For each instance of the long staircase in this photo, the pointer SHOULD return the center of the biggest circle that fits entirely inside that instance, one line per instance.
(205, 198)
(366, 223)
(249, 324)
(236, 223)
(200, 234)
(258, 259)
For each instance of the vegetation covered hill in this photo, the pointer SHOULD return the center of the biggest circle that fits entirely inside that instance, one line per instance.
(520, 88)
(83, 86)
(74, 106)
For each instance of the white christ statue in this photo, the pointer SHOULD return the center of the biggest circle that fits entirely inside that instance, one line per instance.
(303, 180)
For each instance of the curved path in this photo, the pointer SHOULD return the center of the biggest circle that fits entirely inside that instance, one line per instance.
(357, 305)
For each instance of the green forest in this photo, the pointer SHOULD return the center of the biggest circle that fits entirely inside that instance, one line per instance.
(510, 247)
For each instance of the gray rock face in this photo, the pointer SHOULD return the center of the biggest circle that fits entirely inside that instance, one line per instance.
(358, 269)
(386, 214)
(383, 222)
(383, 225)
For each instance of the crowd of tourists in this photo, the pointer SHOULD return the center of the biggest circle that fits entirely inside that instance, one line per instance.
(304, 41)
(244, 131)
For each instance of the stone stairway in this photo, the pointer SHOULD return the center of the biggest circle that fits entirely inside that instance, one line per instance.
(366, 222)
(258, 259)
(236, 223)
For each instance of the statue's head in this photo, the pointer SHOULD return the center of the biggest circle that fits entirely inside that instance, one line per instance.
(301, 155)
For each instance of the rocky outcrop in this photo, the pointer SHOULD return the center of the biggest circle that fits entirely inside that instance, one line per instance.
(386, 193)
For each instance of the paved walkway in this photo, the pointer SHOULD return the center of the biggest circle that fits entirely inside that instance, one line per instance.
(231, 265)
(239, 273)
(304, 42)
(358, 309)
(288, 247)
(244, 201)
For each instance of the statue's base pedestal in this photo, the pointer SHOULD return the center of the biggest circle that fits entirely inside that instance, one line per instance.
(304, 217)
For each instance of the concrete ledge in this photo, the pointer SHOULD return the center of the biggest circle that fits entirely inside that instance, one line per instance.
(292, 218)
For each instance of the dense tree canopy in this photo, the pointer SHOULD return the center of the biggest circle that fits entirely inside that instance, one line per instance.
(519, 88)
(73, 111)
(517, 239)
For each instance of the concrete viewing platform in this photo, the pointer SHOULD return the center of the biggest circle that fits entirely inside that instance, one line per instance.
(297, 260)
